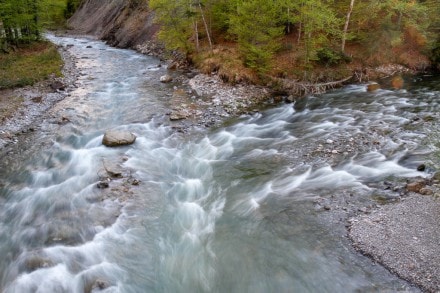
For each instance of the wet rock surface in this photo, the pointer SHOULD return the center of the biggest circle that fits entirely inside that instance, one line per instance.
(113, 138)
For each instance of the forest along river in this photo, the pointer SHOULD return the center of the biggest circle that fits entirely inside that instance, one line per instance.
(232, 209)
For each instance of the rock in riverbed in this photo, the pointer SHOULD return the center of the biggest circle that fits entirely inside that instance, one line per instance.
(114, 138)
(166, 79)
(373, 87)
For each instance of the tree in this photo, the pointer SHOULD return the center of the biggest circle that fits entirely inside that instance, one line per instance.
(176, 19)
(318, 23)
(19, 21)
(347, 22)
(71, 6)
(179, 22)
(257, 29)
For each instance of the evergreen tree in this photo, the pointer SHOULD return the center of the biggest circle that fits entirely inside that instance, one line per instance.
(178, 23)
(256, 26)
(319, 24)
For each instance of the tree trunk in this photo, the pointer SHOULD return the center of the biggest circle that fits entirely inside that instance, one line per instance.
(196, 29)
(206, 26)
(347, 21)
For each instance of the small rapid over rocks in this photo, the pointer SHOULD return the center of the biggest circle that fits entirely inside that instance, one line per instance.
(256, 205)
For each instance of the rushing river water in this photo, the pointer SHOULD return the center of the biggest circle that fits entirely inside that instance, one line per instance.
(234, 209)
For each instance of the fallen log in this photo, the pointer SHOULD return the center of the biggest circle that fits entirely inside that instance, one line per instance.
(295, 87)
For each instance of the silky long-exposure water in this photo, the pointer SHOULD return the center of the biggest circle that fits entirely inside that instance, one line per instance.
(231, 209)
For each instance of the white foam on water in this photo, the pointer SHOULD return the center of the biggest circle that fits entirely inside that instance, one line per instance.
(290, 182)
(327, 177)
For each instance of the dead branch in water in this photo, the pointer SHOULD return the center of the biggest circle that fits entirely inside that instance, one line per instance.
(308, 88)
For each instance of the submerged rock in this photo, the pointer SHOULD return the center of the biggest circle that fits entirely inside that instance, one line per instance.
(114, 138)
(421, 167)
(35, 262)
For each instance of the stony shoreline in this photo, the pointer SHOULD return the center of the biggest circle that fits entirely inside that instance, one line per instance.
(206, 101)
(35, 101)
(403, 237)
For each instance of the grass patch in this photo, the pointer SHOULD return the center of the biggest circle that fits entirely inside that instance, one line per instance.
(29, 64)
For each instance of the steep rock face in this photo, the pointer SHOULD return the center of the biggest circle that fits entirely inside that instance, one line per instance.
(118, 22)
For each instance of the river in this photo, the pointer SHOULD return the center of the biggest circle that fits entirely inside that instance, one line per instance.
(257, 205)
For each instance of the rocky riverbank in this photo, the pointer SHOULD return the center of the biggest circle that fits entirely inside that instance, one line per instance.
(23, 107)
(205, 101)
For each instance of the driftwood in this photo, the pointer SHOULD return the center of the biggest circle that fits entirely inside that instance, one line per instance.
(306, 88)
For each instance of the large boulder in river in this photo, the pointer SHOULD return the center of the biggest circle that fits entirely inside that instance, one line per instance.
(114, 138)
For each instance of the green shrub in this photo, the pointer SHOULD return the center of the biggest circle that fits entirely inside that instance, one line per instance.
(330, 57)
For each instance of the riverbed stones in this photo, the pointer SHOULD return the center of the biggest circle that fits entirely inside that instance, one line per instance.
(58, 86)
(290, 99)
(436, 176)
(179, 115)
(415, 186)
(35, 261)
(426, 191)
(114, 138)
(102, 184)
(37, 99)
(403, 237)
(166, 78)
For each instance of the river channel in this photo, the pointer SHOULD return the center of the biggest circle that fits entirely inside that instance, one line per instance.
(256, 205)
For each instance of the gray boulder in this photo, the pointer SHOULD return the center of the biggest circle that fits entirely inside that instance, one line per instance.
(114, 138)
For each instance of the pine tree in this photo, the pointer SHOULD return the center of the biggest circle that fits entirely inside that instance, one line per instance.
(256, 26)
(319, 23)
(178, 23)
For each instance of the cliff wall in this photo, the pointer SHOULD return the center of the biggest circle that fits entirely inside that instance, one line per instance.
(119, 22)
